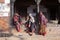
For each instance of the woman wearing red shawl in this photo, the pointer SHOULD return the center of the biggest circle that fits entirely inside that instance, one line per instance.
(43, 23)
(17, 21)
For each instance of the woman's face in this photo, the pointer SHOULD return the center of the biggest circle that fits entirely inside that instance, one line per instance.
(41, 13)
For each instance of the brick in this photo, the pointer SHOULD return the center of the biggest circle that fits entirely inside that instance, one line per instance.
(2, 1)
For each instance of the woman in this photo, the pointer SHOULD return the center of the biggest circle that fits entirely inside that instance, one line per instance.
(31, 25)
(17, 21)
(43, 23)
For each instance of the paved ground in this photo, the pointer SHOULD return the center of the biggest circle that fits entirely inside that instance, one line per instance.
(53, 33)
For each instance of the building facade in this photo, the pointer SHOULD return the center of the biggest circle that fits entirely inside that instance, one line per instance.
(4, 14)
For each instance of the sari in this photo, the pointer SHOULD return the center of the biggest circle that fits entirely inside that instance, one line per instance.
(43, 24)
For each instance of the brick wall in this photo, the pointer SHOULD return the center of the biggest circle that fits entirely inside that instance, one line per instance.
(2, 1)
(4, 23)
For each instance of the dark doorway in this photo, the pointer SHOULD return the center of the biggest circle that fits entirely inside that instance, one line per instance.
(21, 6)
(52, 6)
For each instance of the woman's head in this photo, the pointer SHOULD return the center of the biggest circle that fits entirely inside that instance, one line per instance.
(30, 15)
(41, 13)
(16, 14)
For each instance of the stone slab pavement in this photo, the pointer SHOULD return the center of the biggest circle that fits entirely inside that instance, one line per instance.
(53, 33)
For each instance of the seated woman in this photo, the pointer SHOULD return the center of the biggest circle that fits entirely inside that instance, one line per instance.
(17, 21)
(31, 25)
